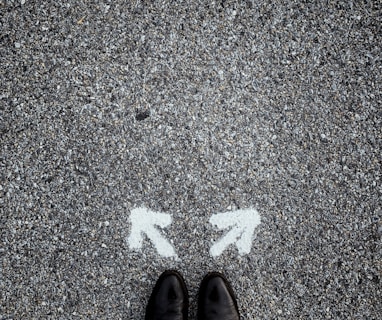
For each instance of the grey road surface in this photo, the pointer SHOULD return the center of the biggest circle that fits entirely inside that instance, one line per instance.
(190, 108)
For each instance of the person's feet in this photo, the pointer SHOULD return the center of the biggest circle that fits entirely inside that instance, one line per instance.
(216, 299)
(169, 299)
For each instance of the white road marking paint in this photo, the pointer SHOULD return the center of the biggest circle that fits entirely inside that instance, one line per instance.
(144, 221)
(242, 223)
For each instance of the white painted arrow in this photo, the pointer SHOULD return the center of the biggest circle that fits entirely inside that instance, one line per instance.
(242, 223)
(143, 221)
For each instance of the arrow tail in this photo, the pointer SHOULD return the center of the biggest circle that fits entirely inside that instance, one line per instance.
(229, 238)
(163, 246)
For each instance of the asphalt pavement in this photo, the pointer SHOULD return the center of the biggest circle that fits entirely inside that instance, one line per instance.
(190, 109)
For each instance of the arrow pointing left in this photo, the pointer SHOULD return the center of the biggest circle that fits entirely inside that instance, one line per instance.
(143, 221)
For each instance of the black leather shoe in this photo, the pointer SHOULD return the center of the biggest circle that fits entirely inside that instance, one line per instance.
(169, 299)
(216, 299)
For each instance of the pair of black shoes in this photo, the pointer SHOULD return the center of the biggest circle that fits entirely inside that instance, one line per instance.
(169, 299)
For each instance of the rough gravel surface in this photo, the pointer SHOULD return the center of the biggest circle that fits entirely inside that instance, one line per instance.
(191, 109)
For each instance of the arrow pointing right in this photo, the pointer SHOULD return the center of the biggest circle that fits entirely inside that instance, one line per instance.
(242, 223)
